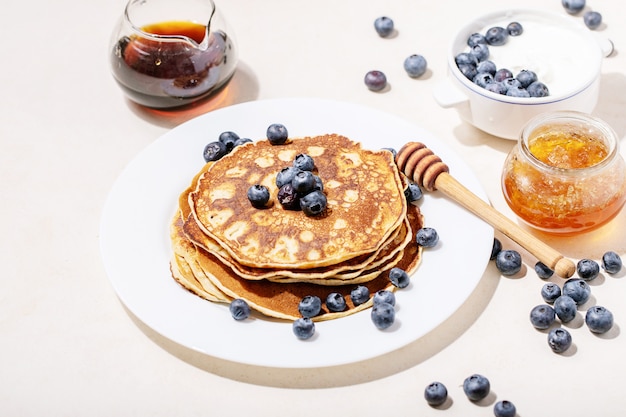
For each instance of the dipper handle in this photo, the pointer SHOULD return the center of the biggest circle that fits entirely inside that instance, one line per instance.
(421, 165)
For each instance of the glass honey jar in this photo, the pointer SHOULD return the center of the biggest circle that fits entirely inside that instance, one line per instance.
(566, 174)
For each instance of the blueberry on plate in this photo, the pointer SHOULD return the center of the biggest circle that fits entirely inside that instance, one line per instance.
(577, 289)
(229, 139)
(375, 80)
(383, 26)
(592, 19)
(504, 408)
(277, 134)
(399, 277)
(415, 65)
(599, 319)
(542, 316)
(573, 6)
(360, 295)
(314, 203)
(310, 306)
(259, 195)
(559, 340)
(587, 269)
(611, 262)
(286, 175)
(550, 292)
(384, 296)
(304, 162)
(214, 151)
(435, 394)
(413, 192)
(515, 28)
(565, 308)
(239, 309)
(543, 271)
(509, 262)
(303, 328)
(288, 197)
(383, 315)
(303, 182)
(495, 249)
(476, 387)
(496, 36)
(427, 237)
(335, 302)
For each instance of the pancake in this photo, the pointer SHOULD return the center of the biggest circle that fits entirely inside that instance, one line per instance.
(364, 189)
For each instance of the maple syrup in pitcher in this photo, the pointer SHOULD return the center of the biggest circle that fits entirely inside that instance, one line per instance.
(171, 63)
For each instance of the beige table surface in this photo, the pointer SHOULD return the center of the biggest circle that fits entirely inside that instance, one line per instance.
(68, 347)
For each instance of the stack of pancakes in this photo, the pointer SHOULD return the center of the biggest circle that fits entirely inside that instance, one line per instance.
(224, 248)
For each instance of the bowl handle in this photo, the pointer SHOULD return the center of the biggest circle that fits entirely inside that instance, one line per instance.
(447, 95)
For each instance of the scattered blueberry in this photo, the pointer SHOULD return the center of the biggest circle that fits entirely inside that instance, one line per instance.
(480, 52)
(375, 80)
(526, 77)
(314, 203)
(550, 292)
(415, 65)
(288, 197)
(399, 277)
(360, 295)
(413, 192)
(538, 89)
(542, 316)
(599, 319)
(509, 262)
(573, 6)
(304, 162)
(565, 308)
(303, 182)
(587, 269)
(611, 262)
(496, 36)
(259, 195)
(476, 387)
(286, 175)
(543, 271)
(504, 409)
(514, 29)
(559, 340)
(592, 19)
(239, 309)
(475, 39)
(427, 237)
(495, 248)
(335, 302)
(214, 151)
(435, 394)
(383, 315)
(578, 290)
(383, 26)
(310, 306)
(277, 134)
(384, 296)
(303, 328)
(229, 139)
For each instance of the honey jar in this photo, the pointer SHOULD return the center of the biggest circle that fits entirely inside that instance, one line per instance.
(566, 174)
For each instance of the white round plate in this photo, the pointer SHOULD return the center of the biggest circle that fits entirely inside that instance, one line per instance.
(134, 240)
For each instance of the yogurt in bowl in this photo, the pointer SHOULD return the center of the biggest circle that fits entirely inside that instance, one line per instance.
(563, 53)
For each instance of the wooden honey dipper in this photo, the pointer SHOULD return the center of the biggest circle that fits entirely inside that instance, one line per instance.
(426, 169)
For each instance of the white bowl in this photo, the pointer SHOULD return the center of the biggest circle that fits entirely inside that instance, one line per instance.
(567, 57)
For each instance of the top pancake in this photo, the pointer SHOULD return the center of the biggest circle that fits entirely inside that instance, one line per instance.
(364, 189)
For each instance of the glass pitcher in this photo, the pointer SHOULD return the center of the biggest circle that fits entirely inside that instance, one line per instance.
(167, 54)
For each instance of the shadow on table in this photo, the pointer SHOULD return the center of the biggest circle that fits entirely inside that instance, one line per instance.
(336, 376)
(241, 88)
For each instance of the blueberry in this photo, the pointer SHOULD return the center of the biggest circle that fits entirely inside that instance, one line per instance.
(375, 80)
(497, 88)
(496, 36)
(592, 19)
(469, 71)
(303, 328)
(495, 248)
(384, 296)
(538, 89)
(335, 302)
(399, 277)
(573, 6)
(565, 308)
(543, 271)
(599, 319)
(314, 203)
(465, 58)
(577, 289)
(360, 295)
(515, 29)
(413, 192)
(475, 39)
(304, 162)
(587, 269)
(504, 409)
(482, 79)
(239, 309)
(502, 74)
(310, 306)
(259, 195)
(214, 151)
(303, 182)
(228, 138)
(242, 141)
(476, 387)
(559, 340)
(288, 197)
(435, 394)
(511, 82)
(383, 26)
(509, 262)
(318, 184)
(487, 66)
(611, 262)
(480, 52)
(415, 65)
(286, 175)
(526, 77)
(427, 237)
(383, 315)
(392, 150)
(550, 292)
(542, 316)
(277, 134)
(517, 92)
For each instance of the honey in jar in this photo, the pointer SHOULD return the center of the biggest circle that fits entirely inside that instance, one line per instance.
(566, 175)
